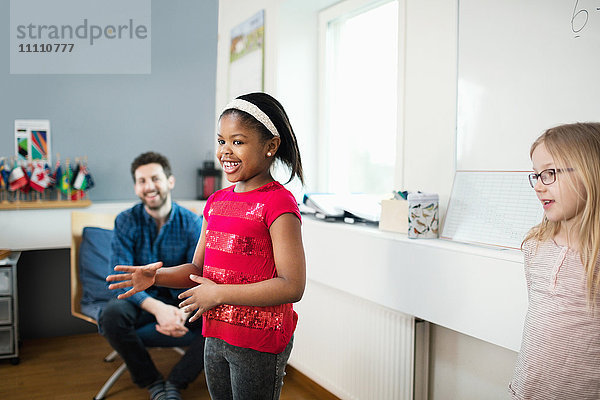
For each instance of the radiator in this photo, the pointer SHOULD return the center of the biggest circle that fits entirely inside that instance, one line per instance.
(357, 349)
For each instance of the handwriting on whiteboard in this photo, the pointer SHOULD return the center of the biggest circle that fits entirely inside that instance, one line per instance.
(581, 17)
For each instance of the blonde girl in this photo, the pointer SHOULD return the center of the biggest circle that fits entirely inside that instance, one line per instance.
(560, 351)
(249, 263)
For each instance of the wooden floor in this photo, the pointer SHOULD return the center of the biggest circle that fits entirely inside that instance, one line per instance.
(72, 367)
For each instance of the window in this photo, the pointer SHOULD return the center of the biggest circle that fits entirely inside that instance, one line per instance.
(358, 97)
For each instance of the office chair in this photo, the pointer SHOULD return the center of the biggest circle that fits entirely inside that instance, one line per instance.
(88, 288)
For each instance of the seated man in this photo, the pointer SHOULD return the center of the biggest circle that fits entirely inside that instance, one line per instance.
(157, 229)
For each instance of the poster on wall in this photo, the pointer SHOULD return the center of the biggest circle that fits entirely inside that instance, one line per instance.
(32, 140)
(246, 56)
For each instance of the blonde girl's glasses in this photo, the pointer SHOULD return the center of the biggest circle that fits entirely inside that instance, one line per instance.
(547, 176)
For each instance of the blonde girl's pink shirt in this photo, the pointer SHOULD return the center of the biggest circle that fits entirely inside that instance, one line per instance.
(560, 352)
(239, 250)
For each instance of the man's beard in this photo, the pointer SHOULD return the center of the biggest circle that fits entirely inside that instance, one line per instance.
(162, 200)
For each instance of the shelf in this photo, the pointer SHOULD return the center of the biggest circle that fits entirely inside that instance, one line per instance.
(40, 205)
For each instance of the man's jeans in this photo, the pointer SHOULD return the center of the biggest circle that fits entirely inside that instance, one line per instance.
(121, 324)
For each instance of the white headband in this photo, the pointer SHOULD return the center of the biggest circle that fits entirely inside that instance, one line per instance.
(253, 110)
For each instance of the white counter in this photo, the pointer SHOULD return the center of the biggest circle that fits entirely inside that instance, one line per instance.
(474, 290)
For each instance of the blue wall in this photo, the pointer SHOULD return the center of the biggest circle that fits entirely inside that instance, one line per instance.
(112, 118)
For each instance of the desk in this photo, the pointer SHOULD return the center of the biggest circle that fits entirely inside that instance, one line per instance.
(51, 228)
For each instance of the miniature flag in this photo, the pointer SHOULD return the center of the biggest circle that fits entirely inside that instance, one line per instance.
(75, 172)
(57, 174)
(39, 180)
(17, 179)
(2, 182)
(88, 179)
(5, 172)
(64, 183)
(28, 169)
(83, 180)
(51, 177)
(79, 182)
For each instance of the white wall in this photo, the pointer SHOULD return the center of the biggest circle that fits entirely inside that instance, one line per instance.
(427, 147)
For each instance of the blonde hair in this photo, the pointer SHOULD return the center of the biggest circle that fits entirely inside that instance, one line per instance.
(577, 146)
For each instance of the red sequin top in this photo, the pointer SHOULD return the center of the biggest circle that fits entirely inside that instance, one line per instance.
(238, 251)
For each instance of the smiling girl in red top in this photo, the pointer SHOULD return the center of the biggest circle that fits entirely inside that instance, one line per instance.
(249, 264)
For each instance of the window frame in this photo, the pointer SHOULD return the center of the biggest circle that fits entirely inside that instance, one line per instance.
(349, 9)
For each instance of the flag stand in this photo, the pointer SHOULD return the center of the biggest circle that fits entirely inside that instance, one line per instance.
(26, 185)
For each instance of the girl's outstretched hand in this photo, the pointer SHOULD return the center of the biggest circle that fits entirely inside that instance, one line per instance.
(138, 278)
(200, 298)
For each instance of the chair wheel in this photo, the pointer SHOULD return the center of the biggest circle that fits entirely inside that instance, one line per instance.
(15, 360)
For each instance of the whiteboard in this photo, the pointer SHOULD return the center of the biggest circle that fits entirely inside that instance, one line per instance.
(523, 66)
(495, 208)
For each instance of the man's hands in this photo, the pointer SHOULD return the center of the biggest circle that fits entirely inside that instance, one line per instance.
(170, 320)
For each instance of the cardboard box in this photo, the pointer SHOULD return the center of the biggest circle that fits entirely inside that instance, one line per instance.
(394, 216)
